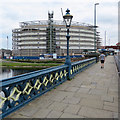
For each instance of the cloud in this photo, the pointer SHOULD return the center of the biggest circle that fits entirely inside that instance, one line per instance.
(14, 11)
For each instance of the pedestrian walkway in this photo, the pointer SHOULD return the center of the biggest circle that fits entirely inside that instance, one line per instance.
(92, 93)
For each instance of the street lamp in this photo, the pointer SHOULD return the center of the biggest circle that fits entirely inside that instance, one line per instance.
(67, 19)
(95, 25)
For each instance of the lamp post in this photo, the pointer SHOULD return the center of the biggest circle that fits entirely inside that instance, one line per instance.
(95, 25)
(67, 19)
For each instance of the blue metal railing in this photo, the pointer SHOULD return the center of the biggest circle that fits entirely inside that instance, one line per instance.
(117, 60)
(19, 90)
(81, 65)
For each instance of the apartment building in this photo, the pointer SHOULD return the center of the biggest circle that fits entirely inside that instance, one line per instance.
(34, 38)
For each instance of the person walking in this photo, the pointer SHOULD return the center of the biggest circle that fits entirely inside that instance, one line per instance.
(102, 59)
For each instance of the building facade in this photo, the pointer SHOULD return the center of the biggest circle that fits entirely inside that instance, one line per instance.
(5, 53)
(34, 38)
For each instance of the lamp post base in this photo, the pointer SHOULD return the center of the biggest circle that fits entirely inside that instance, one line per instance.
(68, 62)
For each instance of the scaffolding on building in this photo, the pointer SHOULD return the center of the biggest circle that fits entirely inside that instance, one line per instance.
(55, 22)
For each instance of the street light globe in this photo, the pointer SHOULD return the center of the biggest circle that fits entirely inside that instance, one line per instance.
(67, 18)
(96, 3)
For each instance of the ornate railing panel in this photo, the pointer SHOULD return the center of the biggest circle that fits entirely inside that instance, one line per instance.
(79, 66)
(19, 90)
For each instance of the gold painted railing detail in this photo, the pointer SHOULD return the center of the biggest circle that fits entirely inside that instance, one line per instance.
(15, 94)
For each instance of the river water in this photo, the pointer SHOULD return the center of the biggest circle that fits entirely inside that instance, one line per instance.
(7, 72)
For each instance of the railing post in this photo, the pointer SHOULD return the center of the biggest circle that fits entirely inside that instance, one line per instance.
(69, 69)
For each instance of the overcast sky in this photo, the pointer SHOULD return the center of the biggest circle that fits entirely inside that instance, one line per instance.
(14, 11)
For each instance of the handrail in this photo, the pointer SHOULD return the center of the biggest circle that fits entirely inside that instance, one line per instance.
(83, 61)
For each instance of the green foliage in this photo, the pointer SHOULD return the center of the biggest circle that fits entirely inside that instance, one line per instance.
(37, 61)
(12, 64)
(85, 50)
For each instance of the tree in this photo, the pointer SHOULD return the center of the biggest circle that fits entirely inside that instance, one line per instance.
(85, 50)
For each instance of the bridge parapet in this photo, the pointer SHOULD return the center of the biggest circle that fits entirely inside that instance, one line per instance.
(117, 60)
(81, 65)
(20, 90)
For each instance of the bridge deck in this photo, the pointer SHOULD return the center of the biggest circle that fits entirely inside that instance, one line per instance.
(93, 94)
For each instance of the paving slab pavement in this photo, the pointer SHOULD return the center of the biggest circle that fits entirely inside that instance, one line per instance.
(92, 93)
